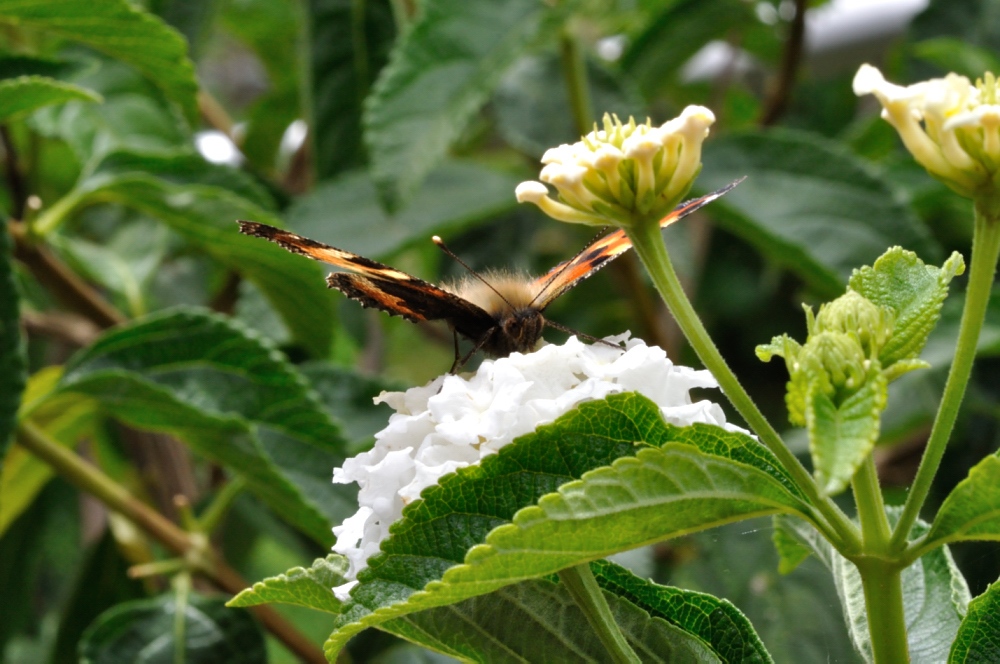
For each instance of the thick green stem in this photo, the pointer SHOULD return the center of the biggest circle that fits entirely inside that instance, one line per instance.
(883, 590)
(648, 243)
(871, 508)
(582, 585)
(985, 250)
(575, 74)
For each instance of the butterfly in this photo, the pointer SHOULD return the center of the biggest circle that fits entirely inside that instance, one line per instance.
(500, 315)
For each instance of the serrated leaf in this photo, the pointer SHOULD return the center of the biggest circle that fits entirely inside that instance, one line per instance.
(205, 216)
(24, 94)
(679, 481)
(842, 436)
(231, 396)
(13, 363)
(119, 29)
(345, 212)
(972, 509)
(148, 632)
(978, 638)
(935, 595)
(311, 588)
(914, 291)
(439, 74)
(809, 204)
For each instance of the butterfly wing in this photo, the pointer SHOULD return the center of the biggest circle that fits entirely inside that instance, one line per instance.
(567, 274)
(382, 287)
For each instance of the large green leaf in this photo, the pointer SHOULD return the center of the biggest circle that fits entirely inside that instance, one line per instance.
(439, 75)
(205, 215)
(345, 212)
(12, 358)
(645, 481)
(24, 94)
(119, 29)
(231, 396)
(350, 44)
(148, 632)
(978, 637)
(810, 205)
(972, 509)
(935, 595)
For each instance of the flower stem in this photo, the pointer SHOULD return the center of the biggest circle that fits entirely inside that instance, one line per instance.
(582, 585)
(985, 250)
(875, 529)
(648, 243)
(575, 72)
(883, 588)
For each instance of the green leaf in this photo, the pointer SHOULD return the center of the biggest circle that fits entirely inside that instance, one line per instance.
(952, 54)
(914, 291)
(934, 593)
(232, 397)
(842, 436)
(809, 205)
(532, 103)
(345, 212)
(972, 509)
(680, 480)
(978, 637)
(348, 396)
(24, 94)
(119, 29)
(12, 357)
(350, 45)
(205, 216)
(148, 632)
(311, 588)
(439, 75)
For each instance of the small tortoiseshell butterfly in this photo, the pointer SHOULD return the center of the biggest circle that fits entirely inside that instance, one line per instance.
(500, 314)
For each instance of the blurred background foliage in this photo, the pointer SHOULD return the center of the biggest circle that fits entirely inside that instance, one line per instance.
(177, 355)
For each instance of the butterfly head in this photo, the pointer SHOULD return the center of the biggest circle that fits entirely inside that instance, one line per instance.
(517, 331)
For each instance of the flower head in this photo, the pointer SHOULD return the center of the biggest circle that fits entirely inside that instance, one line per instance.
(623, 172)
(455, 421)
(951, 127)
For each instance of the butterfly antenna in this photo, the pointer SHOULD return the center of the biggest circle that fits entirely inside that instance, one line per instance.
(440, 243)
(569, 330)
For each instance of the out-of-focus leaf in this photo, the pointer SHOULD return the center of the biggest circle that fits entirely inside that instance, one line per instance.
(24, 94)
(679, 480)
(14, 66)
(345, 212)
(956, 55)
(232, 397)
(149, 632)
(348, 396)
(439, 74)
(935, 595)
(191, 19)
(532, 103)
(978, 637)
(350, 45)
(119, 29)
(12, 358)
(810, 205)
(971, 21)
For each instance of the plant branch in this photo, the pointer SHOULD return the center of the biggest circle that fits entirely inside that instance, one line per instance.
(875, 529)
(582, 585)
(575, 75)
(985, 250)
(777, 103)
(883, 589)
(90, 479)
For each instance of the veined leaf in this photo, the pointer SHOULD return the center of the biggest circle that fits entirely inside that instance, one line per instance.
(311, 588)
(24, 94)
(978, 637)
(972, 509)
(119, 29)
(12, 358)
(439, 74)
(643, 481)
(232, 397)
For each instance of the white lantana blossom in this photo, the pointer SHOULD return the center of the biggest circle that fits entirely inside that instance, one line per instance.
(623, 173)
(951, 126)
(454, 421)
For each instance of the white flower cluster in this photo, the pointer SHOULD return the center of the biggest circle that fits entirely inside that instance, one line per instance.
(622, 171)
(455, 421)
(951, 126)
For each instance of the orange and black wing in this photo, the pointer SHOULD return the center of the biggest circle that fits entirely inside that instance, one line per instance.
(382, 287)
(567, 274)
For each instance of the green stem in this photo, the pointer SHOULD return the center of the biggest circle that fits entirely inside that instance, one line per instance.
(883, 590)
(575, 73)
(985, 250)
(582, 585)
(648, 243)
(875, 529)
(220, 505)
(51, 217)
